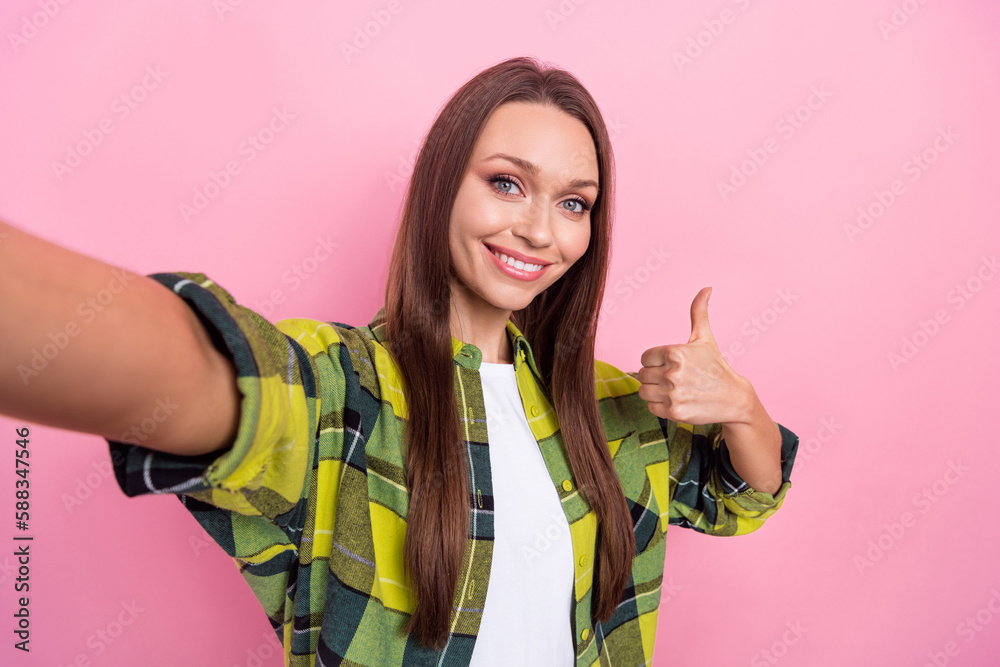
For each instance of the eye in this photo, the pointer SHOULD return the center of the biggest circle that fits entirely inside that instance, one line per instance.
(504, 183)
(579, 205)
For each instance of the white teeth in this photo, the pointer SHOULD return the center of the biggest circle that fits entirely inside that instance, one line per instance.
(516, 263)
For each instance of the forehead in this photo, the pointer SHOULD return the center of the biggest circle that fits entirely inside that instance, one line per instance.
(542, 134)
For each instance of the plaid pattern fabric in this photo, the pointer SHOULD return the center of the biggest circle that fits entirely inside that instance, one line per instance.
(311, 499)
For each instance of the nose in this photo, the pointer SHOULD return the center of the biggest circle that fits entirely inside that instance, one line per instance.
(534, 224)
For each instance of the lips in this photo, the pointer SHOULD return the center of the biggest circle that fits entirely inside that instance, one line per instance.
(527, 259)
(518, 274)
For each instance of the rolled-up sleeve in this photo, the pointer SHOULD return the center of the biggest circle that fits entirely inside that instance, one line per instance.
(706, 492)
(264, 470)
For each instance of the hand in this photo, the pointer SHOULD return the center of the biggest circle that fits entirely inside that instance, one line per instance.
(691, 382)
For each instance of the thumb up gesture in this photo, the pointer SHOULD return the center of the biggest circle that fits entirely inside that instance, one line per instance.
(691, 382)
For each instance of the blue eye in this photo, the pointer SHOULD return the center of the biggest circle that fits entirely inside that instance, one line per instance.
(503, 183)
(508, 185)
(584, 206)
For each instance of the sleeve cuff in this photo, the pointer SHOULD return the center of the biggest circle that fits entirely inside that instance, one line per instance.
(749, 498)
(139, 470)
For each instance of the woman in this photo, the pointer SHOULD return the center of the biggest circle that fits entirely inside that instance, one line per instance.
(458, 482)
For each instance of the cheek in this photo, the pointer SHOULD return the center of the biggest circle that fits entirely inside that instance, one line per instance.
(468, 215)
(578, 242)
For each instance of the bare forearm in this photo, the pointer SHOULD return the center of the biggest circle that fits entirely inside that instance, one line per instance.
(95, 348)
(755, 447)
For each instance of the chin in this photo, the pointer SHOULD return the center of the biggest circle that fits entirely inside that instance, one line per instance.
(510, 304)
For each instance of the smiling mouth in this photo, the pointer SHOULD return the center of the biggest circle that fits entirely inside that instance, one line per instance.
(515, 263)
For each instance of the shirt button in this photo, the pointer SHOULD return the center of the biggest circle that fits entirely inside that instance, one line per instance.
(585, 634)
(534, 411)
(583, 560)
(567, 485)
(470, 413)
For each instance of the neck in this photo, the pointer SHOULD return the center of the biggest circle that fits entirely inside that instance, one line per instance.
(485, 328)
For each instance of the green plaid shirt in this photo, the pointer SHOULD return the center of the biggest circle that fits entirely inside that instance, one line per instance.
(311, 499)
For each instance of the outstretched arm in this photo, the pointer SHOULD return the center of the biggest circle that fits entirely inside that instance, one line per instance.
(91, 347)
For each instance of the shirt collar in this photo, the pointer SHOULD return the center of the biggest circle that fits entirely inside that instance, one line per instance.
(466, 354)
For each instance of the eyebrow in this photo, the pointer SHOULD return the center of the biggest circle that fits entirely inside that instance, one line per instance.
(532, 169)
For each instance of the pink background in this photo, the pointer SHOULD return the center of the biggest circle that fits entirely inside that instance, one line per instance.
(837, 563)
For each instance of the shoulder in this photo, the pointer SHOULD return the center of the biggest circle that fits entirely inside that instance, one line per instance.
(364, 374)
(612, 382)
(327, 337)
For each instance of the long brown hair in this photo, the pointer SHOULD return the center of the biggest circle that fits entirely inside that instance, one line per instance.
(559, 324)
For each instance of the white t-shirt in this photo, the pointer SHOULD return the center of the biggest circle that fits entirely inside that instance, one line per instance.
(526, 620)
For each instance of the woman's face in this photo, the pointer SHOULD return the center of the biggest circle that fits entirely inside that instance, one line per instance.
(527, 193)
